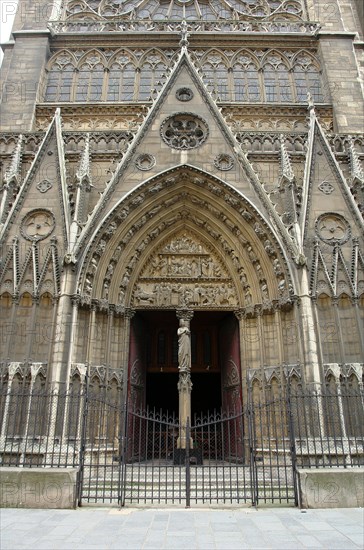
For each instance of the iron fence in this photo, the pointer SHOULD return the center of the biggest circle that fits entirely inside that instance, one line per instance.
(249, 455)
(328, 427)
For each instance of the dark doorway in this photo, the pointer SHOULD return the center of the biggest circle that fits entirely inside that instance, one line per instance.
(206, 393)
(160, 348)
(162, 391)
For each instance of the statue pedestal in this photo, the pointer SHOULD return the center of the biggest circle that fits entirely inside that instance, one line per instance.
(179, 457)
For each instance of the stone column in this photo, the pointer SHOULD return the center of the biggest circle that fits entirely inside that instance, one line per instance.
(184, 366)
(75, 300)
(128, 313)
(110, 328)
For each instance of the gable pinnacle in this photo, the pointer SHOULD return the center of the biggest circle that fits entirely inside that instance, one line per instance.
(310, 101)
(84, 171)
(13, 172)
(286, 166)
(184, 43)
(357, 173)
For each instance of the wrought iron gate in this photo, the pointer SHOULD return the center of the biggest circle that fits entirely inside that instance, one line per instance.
(236, 457)
(133, 456)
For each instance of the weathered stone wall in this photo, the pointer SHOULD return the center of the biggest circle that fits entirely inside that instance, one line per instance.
(342, 75)
(25, 62)
(331, 487)
(38, 487)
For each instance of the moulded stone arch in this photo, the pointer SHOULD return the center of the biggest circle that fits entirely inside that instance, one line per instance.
(268, 56)
(114, 59)
(214, 51)
(88, 55)
(244, 52)
(145, 58)
(55, 59)
(185, 199)
(313, 59)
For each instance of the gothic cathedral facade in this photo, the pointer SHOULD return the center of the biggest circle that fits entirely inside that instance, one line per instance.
(182, 159)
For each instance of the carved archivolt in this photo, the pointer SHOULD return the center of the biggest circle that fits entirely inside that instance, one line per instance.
(198, 242)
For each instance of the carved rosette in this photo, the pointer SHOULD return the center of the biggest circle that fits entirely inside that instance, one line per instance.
(332, 228)
(184, 94)
(184, 131)
(38, 224)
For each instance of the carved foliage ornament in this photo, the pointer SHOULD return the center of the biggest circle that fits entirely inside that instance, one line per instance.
(224, 162)
(332, 228)
(184, 131)
(145, 161)
(37, 224)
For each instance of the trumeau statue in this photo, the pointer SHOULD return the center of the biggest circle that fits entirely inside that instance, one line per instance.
(184, 349)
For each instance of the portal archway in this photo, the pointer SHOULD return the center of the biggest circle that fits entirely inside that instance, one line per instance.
(184, 239)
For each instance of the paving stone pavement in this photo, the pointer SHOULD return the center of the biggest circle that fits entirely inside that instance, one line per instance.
(188, 529)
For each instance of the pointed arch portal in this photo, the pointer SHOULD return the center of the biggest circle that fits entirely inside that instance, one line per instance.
(184, 240)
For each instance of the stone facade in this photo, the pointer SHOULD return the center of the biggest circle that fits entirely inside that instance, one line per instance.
(203, 158)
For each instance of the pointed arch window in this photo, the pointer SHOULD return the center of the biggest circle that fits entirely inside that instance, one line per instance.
(329, 331)
(277, 83)
(349, 329)
(59, 84)
(247, 85)
(216, 79)
(90, 80)
(151, 77)
(121, 84)
(307, 79)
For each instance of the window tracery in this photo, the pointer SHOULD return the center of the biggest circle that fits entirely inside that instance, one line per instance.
(182, 9)
(234, 76)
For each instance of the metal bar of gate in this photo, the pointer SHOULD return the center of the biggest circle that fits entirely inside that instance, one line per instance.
(83, 441)
(122, 457)
(252, 448)
(292, 443)
(188, 465)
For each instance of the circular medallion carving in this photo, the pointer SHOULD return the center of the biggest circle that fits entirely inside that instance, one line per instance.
(224, 162)
(326, 187)
(145, 161)
(37, 224)
(44, 186)
(332, 228)
(184, 94)
(184, 131)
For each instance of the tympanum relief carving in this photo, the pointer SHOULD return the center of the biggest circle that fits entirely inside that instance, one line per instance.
(184, 272)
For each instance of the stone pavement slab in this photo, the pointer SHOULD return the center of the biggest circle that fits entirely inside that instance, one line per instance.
(91, 528)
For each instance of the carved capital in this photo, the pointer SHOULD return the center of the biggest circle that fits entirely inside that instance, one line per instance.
(240, 314)
(75, 300)
(184, 383)
(129, 313)
(184, 314)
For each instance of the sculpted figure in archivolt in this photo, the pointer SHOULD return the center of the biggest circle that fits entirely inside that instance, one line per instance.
(184, 348)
